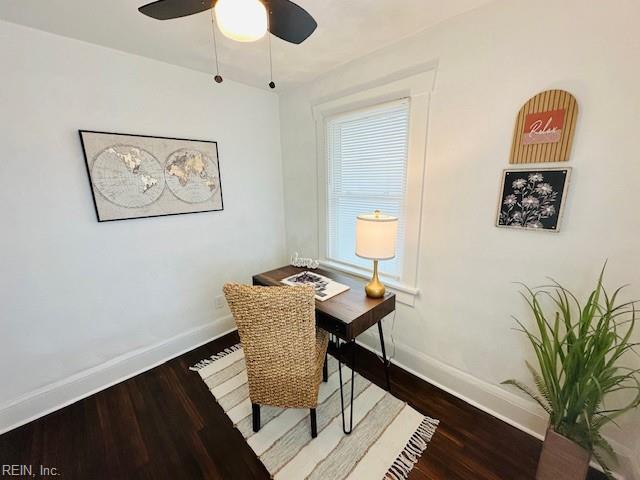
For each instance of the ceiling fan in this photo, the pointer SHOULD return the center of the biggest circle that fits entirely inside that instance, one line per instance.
(243, 20)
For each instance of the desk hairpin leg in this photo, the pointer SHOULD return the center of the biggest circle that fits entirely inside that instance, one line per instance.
(384, 356)
(352, 345)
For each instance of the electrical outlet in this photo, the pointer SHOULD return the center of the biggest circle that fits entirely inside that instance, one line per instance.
(220, 303)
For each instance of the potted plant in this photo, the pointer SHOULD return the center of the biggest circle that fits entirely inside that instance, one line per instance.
(581, 352)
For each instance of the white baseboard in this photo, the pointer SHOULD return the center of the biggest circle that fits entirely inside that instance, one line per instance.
(64, 392)
(518, 412)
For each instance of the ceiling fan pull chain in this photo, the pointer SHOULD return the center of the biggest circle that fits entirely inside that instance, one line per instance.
(218, 77)
(272, 85)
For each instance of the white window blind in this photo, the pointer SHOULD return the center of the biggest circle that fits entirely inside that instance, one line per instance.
(367, 165)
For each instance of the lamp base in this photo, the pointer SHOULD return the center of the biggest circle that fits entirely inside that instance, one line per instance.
(375, 288)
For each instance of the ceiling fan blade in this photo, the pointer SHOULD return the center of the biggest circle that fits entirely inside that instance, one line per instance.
(289, 21)
(168, 9)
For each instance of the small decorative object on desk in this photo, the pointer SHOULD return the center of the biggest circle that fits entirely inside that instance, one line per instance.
(297, 261)
(325, 287)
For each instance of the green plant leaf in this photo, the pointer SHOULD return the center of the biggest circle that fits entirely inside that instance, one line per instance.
(525, 389)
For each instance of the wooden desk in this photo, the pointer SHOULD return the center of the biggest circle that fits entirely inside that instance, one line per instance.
(346, 316)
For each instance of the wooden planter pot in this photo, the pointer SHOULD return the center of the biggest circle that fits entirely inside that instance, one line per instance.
(562, 459)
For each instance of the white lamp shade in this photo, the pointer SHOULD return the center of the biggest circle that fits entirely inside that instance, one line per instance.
(241, 20)
(376, 236)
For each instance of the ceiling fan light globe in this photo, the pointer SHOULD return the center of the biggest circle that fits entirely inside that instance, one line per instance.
(241, 20)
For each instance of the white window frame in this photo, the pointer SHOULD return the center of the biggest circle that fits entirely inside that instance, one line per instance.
(417, 87)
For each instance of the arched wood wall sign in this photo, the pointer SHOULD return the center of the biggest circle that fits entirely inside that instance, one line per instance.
(544, 128)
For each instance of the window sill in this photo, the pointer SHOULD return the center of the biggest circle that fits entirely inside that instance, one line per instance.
(405, 293)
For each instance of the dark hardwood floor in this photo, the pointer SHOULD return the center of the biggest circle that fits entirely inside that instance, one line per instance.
(164, 424)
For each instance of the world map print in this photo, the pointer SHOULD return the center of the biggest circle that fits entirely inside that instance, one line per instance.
(190, 176)
(136, 176)
(128, 176)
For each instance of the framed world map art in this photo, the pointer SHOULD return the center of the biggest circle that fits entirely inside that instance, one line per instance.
(533, 199)
(137, 176)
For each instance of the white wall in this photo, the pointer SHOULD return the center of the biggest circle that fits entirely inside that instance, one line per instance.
(489, 62)
(83, 303)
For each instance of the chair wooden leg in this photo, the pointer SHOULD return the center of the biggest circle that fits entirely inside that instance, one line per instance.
(314, 424)
(255, 411)
(325, 369)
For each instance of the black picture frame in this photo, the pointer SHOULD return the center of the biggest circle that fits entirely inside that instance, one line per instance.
(533, 199)
(94, 194)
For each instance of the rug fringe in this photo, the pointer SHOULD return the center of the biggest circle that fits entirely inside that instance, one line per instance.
(208, 361)
(417, 444)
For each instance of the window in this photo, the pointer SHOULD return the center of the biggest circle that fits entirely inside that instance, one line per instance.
(371, 153)
(367, 153)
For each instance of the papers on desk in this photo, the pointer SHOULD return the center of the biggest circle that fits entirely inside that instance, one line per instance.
(325, 287)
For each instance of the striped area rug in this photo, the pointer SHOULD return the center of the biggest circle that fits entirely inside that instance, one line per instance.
(388, 435)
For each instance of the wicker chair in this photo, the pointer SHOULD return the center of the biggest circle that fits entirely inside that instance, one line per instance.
(284, 352)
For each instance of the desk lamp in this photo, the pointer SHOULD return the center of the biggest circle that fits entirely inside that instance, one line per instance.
(376, 240)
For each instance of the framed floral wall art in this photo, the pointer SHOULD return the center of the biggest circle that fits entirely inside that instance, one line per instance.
(533, 199)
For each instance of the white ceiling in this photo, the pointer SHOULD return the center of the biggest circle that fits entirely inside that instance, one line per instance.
(347, 29)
